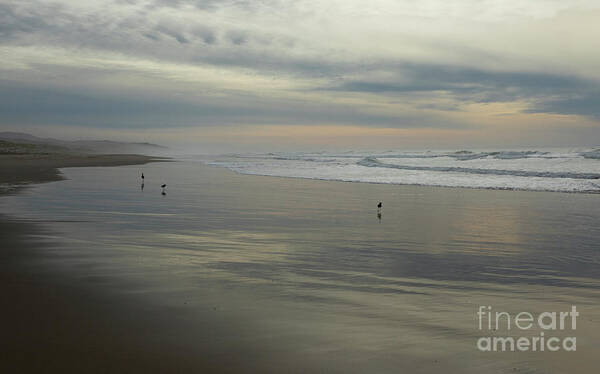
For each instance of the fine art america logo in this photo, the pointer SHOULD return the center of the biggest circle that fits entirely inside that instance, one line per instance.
(549, 323)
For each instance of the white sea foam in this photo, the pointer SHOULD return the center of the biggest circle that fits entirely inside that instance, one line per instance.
(539, 170)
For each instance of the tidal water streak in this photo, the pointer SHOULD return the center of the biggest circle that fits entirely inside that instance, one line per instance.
(309, 273)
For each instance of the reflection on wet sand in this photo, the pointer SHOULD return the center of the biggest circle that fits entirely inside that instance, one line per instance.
(311, 280)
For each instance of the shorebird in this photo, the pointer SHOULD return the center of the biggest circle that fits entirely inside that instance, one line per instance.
(163, 189)
(379, 205)
(142, 177)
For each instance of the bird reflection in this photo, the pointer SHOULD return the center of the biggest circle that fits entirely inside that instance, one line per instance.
(379, 216)
(142, 186)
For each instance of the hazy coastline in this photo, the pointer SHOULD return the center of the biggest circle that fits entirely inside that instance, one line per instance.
(26, 159)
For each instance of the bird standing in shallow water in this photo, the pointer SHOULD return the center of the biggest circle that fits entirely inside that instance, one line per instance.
(379, 205)
(163, 189)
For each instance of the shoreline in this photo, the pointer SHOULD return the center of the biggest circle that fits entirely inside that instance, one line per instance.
(410, 184)
(20, 170)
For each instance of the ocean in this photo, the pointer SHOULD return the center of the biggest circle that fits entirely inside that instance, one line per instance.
(564, 170)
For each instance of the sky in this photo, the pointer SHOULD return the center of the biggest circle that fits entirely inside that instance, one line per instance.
(313, 74)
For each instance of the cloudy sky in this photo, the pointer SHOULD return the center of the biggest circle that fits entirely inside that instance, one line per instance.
(304, 73)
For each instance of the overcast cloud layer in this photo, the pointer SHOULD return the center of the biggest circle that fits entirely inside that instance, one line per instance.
(470, 68)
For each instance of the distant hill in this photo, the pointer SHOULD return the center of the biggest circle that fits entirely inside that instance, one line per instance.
(21, 148)
(89, 146)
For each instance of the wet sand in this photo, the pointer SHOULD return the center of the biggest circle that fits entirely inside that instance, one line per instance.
(51, 324)
(22, 169)
(232, 273)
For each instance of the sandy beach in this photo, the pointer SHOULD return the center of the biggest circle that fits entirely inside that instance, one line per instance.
(52, 324)
(238, 273)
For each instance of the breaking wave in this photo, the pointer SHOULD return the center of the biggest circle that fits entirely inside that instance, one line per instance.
(564, 170)
(374, 162)
(468, 155)
(595, 154)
